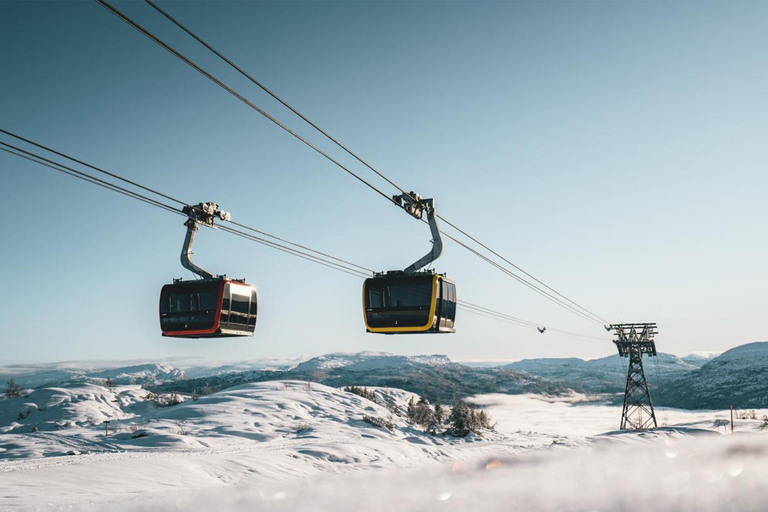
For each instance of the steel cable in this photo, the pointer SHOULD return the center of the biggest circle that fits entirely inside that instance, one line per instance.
(57, 166)
(153, 202)
(574, 306)
(234, 93)
(143, 187)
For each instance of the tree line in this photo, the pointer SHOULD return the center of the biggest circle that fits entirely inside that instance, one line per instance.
(459, 421)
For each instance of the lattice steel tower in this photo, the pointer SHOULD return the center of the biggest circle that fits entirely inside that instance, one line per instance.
(634, 340)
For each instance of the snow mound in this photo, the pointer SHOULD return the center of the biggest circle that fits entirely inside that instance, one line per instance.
(703, 475)
(277, 412)
(68, 407)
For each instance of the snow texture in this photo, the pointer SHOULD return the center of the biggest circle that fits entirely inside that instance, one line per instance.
(291, 445)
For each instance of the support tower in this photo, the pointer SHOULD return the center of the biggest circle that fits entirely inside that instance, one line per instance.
(634, 340)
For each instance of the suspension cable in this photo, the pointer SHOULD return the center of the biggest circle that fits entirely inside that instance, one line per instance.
(598, 318)
(85, 177)
(482, 309)
(496, 315)
(249, 228)
(57, 166)
(521, 280)
(571, 305)
(491, 317)
(153, 202)
(271, 93)
(234, 93)
(124, 180)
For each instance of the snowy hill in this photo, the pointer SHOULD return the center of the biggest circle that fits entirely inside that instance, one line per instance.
(289, 415)
(604, 375)
(70, 406)
(737, 377)
(289, 445)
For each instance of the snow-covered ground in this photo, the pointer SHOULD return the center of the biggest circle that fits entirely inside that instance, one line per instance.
(293, 446)
(579, 416)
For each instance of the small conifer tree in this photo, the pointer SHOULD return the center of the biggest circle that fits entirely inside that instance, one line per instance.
(411, 410)
(483, 419)
(460, 419)
(13, 390)
(439, 413)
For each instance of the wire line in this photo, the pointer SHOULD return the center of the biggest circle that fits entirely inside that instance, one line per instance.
(143, 187)
(574, 306)
(271, 93)
(115, 188)
(57, 166)
(600, 319)
(234, 93)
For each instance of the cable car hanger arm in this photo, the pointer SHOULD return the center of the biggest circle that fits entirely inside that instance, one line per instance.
(203, 213)
(415, 206)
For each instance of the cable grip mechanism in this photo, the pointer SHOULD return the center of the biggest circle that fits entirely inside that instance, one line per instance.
(416, 206)
(205, 214)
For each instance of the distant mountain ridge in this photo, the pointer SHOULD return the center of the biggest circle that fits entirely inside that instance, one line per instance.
(367, 361)
(147, 373)
(143, 373)
(709, 380)
(603, 375)
(738, 377)
(436, 375)
(700, 358)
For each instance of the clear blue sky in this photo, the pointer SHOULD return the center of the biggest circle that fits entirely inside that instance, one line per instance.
(616, 150)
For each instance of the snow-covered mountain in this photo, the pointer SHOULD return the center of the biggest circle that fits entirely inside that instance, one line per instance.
(134, 374)
(737, 377)
(435, 375)
(32, 378)
(604, 375)
(199, 370)
(699, 359)
(140, 374)
(367, 361)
